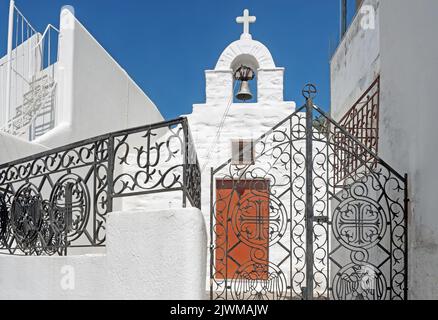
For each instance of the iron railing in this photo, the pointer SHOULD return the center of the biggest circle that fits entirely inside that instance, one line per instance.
(284, 228)
(362, 122)
(57, 200)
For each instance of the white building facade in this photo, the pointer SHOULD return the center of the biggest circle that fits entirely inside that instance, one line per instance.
(64, 90)
(72, 92)
(391, 42)
(294, 205)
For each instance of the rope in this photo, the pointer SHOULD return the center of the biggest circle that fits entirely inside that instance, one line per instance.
(218, 133)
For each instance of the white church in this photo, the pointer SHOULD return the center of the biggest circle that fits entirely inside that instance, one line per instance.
(248, 197)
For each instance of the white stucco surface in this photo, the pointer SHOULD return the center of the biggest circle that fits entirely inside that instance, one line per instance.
(260, 54)
(166, 248)
(24, 61)
(150, 255)
(409, 59)
(243, 120)
(403, 51)
(246, 121)
(356, 63)
(12, 148)
(95, 95)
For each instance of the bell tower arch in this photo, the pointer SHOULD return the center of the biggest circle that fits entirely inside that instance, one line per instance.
(250, 53)
(221, 125)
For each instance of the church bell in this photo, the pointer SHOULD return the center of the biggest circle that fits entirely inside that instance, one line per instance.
(244, 93)
(244, 75)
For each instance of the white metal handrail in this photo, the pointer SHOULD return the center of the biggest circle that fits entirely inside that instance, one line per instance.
(23, 17)
(21, 124)
(24, 65)
(45, 33)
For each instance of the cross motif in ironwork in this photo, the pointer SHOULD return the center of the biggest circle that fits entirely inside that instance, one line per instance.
(309, 91)
(360, 224)
(258, 220)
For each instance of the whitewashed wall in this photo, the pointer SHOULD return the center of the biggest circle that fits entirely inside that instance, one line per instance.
(355, 64)
(95, 95)
(353, 68)
(403, 50)
(243, 120)
(25, 62)
(12, 148)
(409, 59)
(138, 264)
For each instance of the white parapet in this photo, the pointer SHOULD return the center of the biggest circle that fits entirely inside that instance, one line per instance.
(157, 255)
(150, 255)
(95, 94)
(12, 148)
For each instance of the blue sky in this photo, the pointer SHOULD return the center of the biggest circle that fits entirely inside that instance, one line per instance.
(165, 45)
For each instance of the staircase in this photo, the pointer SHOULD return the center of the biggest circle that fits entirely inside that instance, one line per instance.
(35, 116)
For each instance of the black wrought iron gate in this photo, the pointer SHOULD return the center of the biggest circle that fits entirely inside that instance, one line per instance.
(316, 216)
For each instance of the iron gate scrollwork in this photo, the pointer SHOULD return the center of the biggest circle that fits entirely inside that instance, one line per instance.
(59, 200)
(286, 227)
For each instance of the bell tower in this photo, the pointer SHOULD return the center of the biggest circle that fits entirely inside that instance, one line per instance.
(224, 122)
(249, 53)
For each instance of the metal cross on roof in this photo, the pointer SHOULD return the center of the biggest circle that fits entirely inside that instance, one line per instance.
(246, 20)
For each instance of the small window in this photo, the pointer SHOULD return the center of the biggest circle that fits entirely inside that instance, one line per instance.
(242, 152)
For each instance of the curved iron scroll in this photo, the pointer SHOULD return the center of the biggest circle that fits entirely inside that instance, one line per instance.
(59, 200)
(4, 219)
(309, 235)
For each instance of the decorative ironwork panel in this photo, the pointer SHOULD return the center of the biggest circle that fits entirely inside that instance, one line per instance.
(308, 235)
(270, 225)
(362, 122)
(4, 220)
(49, 201)
(59, 199)
(192, 171)
(368, 226)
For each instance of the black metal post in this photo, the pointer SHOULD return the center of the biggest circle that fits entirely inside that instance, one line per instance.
(406, 218)
(212, 216)
(343, 18)
(111, 161)
(186, 159)
(309, 199)
(68, 214)
(68, 207)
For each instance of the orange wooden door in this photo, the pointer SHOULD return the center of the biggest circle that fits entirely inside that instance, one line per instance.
(242, 227)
